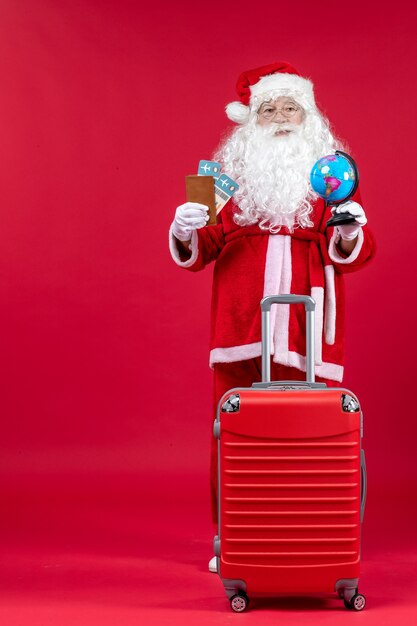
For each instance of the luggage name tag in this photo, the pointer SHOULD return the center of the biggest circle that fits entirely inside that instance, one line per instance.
(209, 168)
(224, 188)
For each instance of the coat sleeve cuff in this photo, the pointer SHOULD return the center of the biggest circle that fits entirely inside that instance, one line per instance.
(188, 262)
(335, 255)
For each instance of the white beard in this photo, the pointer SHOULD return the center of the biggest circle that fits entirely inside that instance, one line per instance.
(273, 172)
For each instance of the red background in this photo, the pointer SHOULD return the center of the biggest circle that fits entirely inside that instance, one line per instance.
(105, 385)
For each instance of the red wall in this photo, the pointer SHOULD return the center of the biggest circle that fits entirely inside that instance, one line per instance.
(105, 106)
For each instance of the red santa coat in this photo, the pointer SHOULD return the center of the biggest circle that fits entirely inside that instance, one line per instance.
(252, 263)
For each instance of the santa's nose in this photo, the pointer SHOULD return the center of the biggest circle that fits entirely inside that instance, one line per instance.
(280, 118)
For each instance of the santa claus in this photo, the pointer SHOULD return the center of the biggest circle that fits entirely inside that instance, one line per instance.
(272, 238)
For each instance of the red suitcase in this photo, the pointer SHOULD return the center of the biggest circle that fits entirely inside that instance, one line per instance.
(292, 484)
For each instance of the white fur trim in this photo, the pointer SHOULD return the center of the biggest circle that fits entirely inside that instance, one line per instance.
(317, 293)
(326, 370)
(284, 82)
(281, 329)
(274, 267)
(278, 278)
(293, 359)
(330, 307)
(238, 112)
(235, 353)
(176, 255)
(334, 254)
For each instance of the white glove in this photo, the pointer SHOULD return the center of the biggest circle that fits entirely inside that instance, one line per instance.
(348, 232)
(189, 217)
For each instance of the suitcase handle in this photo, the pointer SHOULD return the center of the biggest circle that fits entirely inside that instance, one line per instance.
(363, 483)
(310, 305)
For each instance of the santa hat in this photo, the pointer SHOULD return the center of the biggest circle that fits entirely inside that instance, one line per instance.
(263, 83)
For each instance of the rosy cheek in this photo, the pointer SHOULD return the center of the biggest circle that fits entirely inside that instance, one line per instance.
(299, 118)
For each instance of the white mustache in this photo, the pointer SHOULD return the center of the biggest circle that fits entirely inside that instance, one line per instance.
(274, 128)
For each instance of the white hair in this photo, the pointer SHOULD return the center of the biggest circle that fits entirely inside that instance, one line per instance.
(273, 171)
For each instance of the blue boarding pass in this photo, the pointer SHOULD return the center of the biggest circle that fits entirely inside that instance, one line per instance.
(209, 168)
(224, 188)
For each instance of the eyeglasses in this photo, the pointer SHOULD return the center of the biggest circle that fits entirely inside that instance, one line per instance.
(268, 111)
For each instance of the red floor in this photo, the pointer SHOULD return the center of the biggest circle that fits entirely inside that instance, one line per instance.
(88, 556)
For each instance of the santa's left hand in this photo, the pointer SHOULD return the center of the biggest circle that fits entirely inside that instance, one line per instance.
(348, 232)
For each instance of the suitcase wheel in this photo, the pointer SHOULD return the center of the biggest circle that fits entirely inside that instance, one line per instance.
(357, 603)
(239, 602)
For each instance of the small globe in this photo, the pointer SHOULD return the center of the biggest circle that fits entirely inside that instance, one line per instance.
(334, 177)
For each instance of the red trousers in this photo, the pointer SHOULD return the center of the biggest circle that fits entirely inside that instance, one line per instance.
(243, 374)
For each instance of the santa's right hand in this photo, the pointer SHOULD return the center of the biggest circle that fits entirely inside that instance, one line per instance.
(189, 217)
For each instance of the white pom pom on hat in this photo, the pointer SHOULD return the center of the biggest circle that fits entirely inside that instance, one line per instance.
(238, 112)
(275, 77)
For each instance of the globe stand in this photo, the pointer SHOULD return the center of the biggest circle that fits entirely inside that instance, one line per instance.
(339, 219)
(345, 218)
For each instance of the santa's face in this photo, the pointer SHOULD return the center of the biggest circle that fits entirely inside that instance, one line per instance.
(270, 157)
(280, 111)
